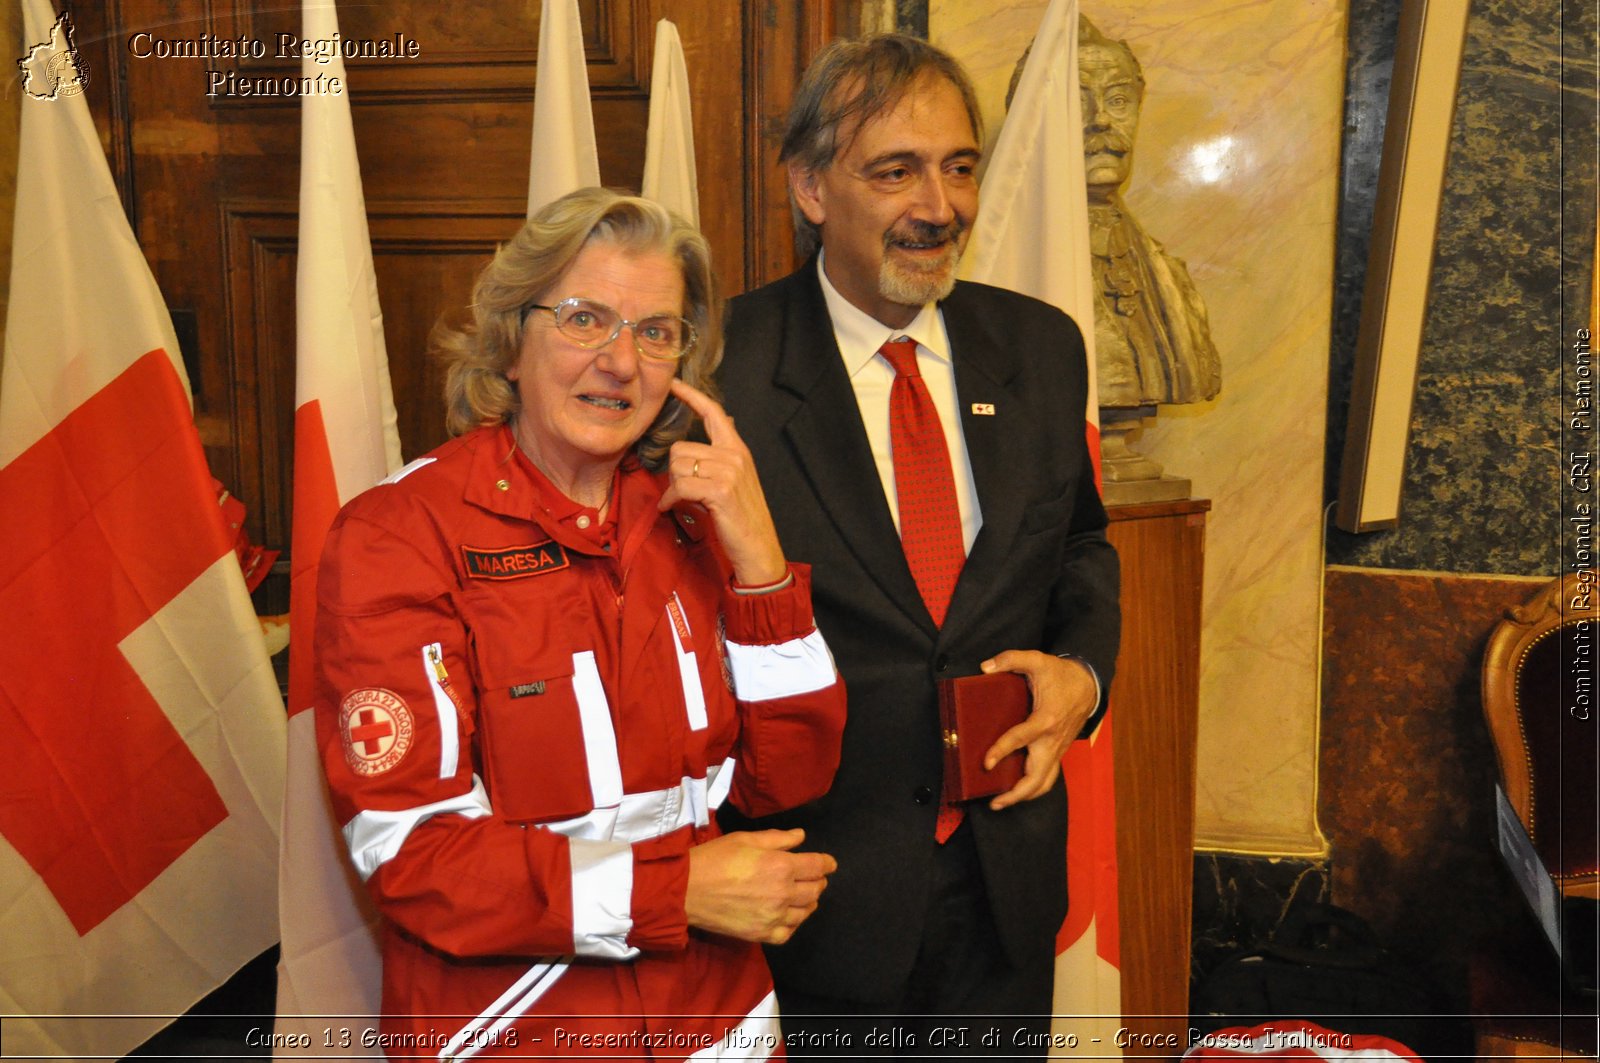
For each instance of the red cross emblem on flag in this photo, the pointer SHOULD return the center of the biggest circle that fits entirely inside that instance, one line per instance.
(376, 727)
(100, 811)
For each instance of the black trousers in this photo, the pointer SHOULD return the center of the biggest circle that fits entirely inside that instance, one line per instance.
(964, 997)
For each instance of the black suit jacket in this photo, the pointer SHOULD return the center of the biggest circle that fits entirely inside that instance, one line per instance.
(1040, 575)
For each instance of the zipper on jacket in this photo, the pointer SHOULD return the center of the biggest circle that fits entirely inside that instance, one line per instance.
(449, 730)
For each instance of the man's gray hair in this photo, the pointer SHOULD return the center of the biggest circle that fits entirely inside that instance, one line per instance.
(849, 83)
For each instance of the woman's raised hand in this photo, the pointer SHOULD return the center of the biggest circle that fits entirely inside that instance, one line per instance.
(721, 476)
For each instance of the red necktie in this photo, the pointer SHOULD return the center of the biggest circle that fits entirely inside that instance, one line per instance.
(930, 521)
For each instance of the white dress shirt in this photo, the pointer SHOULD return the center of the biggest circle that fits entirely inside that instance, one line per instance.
(859, 336)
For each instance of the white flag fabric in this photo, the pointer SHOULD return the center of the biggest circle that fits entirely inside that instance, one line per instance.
(669, 172)
(346, 440)
(1032, 236)
(140, 719)
(564, 155)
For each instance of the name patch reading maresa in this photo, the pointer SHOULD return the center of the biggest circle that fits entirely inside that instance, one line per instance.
(515, 562)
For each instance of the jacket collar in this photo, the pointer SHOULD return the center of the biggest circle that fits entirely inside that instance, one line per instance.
(500, 483)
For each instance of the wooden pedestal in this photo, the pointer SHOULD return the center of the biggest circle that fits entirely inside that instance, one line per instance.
(1155, 701)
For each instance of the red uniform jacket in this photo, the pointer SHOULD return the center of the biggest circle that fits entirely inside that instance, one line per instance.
(524, 733)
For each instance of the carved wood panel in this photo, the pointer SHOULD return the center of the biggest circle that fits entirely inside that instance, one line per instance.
(463, 53)
(425, 256)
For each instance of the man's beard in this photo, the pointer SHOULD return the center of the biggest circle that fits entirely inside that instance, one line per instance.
(919, 283)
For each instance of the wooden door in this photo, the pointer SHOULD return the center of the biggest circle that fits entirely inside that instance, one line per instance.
(211, 179)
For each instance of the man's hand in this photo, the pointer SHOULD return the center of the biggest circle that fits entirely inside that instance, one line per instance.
(748, 885)
(721, 476)
(1063, 699)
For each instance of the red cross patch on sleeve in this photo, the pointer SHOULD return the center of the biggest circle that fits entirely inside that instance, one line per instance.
(376, 728)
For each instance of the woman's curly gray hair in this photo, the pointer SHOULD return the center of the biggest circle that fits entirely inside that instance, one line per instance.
(477, 355)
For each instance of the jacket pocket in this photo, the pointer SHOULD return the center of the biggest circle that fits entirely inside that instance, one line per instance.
(547, 742)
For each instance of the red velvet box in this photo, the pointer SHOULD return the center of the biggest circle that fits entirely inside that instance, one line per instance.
(974, 711)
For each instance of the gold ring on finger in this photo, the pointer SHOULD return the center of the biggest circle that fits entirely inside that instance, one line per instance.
(695, 472)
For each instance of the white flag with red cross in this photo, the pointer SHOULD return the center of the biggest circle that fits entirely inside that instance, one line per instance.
(141, 723)
(346, 440)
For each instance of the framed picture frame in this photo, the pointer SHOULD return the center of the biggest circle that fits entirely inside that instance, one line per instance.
(1416, 147)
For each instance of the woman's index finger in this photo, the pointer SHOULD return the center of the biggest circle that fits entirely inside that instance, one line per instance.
(719, 426)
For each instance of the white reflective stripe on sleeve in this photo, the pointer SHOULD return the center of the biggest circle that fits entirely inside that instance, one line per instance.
(374, 837)
(698, 792)
(694, 698)
(757, 1036)
(602, 899)
(782, 670)
(445, 708)
(513, 1004)
(599, 737)
(642, 816)
(721, 779)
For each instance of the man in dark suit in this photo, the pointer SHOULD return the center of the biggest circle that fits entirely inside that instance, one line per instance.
(989, 557)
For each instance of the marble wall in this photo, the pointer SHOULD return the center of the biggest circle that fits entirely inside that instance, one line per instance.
(1516, 228)
(1408, 808)
(1240, 902)
(1236, 172)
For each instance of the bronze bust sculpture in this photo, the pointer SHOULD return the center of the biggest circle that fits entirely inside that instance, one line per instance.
(1152, 336)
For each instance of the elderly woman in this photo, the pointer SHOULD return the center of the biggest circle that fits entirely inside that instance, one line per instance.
(550, 649)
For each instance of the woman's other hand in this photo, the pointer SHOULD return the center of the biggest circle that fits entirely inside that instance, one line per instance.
(749, 885)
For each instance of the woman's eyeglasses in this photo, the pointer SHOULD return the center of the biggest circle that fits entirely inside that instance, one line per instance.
(588, 323)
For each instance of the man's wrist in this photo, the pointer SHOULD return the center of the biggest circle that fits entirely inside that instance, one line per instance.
(1099, 693)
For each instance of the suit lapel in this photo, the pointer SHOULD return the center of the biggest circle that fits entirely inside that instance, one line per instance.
(825, 431)
(997, 443)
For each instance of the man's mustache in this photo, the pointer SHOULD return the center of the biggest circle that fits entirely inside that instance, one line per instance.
(922, 232)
